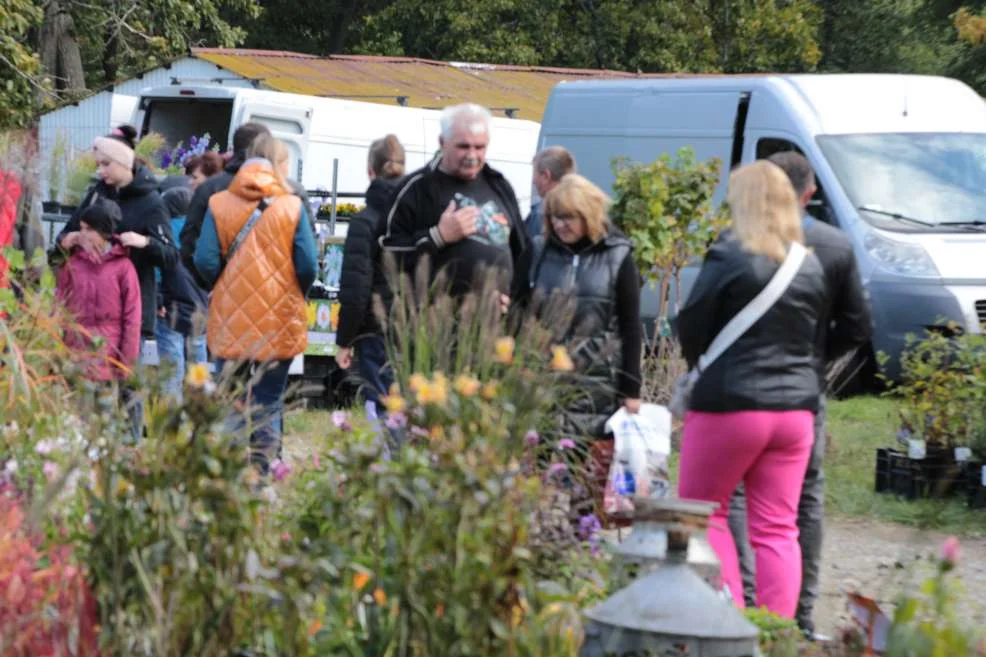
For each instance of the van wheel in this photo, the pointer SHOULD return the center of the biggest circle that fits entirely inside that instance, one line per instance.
(854, 375)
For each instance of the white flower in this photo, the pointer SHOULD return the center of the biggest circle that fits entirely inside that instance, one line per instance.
(45, 447)
(11, 466)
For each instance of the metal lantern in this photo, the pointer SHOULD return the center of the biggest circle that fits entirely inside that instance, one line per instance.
(655, 523)
(670, 611)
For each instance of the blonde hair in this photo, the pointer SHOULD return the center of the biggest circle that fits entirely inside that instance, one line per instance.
(764, 208)
(274, 151)
(575, 195)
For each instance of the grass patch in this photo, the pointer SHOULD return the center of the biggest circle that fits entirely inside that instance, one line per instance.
(856, 428)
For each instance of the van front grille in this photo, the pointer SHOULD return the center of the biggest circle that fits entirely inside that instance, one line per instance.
(981, 311)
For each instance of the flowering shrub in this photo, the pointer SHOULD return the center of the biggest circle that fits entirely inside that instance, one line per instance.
(173, 161)
(47, 608)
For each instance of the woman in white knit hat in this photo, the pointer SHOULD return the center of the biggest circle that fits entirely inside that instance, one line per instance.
(145, 227)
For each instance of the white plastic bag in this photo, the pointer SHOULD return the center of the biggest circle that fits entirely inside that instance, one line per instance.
(642, 443)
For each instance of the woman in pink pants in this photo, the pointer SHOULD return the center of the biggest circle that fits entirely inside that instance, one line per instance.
(751, 411)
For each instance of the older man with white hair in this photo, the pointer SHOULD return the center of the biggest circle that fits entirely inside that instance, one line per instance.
(460, 211)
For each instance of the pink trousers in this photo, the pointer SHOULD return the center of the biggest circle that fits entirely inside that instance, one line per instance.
(768, 451)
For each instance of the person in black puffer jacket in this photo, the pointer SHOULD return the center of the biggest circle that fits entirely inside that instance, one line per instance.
(145, 228)
(359, 331)
(752, 411)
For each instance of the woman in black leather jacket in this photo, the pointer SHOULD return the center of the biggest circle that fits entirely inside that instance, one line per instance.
(751, 412)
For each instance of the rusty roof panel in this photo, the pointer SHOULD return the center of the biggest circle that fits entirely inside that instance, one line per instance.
(425, 83)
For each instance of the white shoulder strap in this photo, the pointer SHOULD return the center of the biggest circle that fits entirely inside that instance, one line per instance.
(757, 307)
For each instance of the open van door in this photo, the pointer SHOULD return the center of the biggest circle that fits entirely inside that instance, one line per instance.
(290, 124)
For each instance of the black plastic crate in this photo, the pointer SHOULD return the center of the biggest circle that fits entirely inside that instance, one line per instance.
(974, 489)
(935, 476)
(882, 482)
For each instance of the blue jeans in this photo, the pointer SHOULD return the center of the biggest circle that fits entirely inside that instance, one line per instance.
(375, 374)
(265, 384)
(171, 346)
(171, 352)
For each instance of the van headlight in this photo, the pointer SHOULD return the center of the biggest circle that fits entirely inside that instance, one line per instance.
(901, 258)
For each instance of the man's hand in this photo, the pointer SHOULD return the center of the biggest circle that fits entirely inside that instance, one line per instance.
(344, 357)
(136, 240)
(456, 225)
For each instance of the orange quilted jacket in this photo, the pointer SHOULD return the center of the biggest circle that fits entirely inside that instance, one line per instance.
(257, 309)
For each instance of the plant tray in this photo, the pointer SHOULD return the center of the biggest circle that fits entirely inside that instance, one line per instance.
(937, 475)
(974, 488)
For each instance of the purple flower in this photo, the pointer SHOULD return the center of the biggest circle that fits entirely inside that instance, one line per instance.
(555, 468)
(532, 438)
(589, 527)
(418, 431)
(566, 443)
(280, 470)
(341, 420)
(166, 160)
(50, 470)
(396, 421)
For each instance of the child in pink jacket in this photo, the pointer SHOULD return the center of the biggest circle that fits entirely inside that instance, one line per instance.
(99, 286)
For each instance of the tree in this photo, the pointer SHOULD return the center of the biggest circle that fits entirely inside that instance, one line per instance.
(319, 28)
(116, 38)
(20, 81)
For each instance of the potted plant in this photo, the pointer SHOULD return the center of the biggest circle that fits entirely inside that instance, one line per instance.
(937, 390)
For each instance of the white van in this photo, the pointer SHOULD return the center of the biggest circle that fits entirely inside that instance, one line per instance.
(318, 130)
(900, 162)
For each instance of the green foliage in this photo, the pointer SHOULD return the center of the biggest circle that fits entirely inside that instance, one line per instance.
(666, 208)
(779, 636)
(926, 623)
(81, 173)
(943, 389)
(19, 65)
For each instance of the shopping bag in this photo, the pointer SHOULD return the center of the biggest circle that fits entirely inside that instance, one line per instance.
(642, 444)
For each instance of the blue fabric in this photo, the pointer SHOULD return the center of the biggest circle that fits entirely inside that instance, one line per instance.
(265, 398)
(535, 220)
(375, 375)
(305, 253)
(208, 256)
(171, 352)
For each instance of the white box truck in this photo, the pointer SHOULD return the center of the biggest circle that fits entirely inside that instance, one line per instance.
(900, 162)
(319, 130)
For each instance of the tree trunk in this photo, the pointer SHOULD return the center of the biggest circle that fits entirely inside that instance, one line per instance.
(60, 54)
(110, 65)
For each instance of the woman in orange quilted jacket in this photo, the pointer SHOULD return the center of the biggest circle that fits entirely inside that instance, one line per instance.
(257, 253)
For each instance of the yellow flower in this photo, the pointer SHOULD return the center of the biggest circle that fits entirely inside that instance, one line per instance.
(490, 390)
(466, 385)
(560, 360)
(436, 432)
(504, 350)
(394, 403)
(380, 597)
(417, 382)
(198, 375)
(360, 580)
(123, 487)
(434, 391)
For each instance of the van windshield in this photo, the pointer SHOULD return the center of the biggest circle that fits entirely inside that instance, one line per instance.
(912, 181)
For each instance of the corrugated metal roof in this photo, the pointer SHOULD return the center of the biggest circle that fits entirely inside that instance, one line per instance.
(425, 83)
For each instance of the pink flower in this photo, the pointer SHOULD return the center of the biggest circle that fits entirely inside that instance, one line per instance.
(50, 470)
(396, 421)
(341, 420)
(532, 438)
(555, 468)
(280, 470)
(566, 443)
(418, 431)
(317, 462)
(951, 551)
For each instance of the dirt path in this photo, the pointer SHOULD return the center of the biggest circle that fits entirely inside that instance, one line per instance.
(878, 560)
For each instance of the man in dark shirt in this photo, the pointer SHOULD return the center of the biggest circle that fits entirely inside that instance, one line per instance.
(845, 326)
(460, 212)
